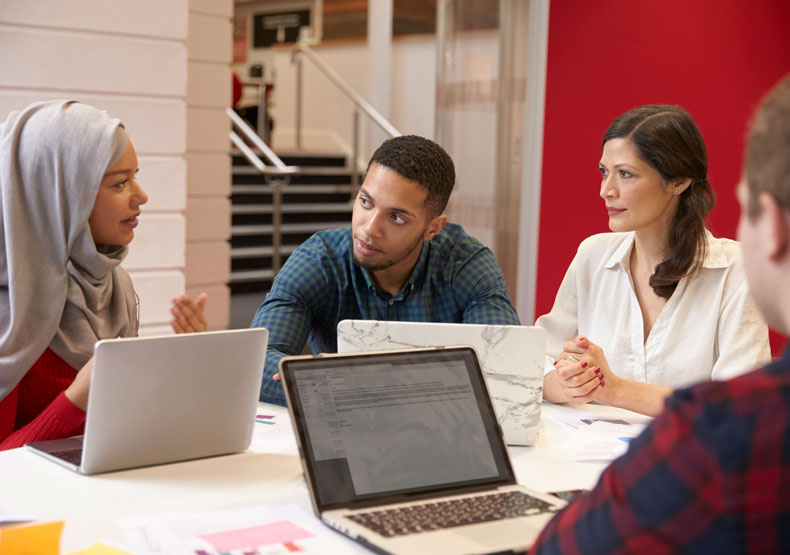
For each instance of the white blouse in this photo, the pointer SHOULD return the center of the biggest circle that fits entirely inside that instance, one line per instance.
(710, 328)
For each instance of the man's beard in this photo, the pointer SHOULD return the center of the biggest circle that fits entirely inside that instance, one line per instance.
(391, 262)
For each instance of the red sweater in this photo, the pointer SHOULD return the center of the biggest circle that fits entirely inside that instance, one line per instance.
(37, 409)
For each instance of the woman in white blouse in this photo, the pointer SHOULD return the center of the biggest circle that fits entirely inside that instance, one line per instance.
(659, 303)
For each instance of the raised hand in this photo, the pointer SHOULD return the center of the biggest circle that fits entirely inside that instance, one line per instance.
(188, 315)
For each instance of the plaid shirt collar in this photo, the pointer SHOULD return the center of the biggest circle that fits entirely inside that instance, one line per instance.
(408, 287)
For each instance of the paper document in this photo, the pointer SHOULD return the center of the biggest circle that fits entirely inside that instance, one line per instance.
(273, 432)
(590, 447)
(575, 420)
(264, 530)
(596, 437)
(8, 515)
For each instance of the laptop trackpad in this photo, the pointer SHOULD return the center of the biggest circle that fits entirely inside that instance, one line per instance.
(511, 534)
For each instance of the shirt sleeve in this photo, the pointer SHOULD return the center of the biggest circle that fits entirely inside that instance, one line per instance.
(742, 338)
(664, 493)
(482, 293)
(562, 322)
(287, 312)
(60, 419)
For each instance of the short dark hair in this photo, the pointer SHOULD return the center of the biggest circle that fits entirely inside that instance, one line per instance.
(669, 141)
(423, 161)
(768, 149)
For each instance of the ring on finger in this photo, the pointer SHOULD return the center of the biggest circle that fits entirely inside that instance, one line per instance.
(572, 358)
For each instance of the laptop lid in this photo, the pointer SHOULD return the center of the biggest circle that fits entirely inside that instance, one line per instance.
(393, 426)
(163, 399)
(512, 359)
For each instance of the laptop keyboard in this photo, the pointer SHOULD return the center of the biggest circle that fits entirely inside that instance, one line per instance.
(454, 512)
(74, 456)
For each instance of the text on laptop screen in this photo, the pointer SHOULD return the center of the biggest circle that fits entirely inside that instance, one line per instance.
(396, 423)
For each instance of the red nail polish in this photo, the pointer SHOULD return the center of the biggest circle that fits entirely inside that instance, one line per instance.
(603, 383)
(584, 364)
(597, 370)
(556, 362)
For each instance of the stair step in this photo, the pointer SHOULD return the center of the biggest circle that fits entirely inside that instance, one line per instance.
(312, 159)
(320, 190)
(303, 170)
(296, 179)
(285, 228)
(251, 275)
(297, 158)
(292, 189)
(259, 252)
(301, 208)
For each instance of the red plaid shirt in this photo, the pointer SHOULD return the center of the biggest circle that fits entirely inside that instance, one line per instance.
(711, 474)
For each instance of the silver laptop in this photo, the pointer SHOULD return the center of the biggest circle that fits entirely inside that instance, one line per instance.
(402, 452)
(512, 358)
(156, 400)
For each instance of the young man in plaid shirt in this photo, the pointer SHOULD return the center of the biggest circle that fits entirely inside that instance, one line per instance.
(712, 472)
(400, 260)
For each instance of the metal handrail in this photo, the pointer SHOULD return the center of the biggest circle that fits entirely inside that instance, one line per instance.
(363, 104)
(255, 139)
(280, 170)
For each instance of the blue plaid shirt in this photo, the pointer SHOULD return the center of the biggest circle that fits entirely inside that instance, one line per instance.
(456, 279)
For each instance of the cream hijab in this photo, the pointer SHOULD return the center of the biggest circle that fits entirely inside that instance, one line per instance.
(56, 288)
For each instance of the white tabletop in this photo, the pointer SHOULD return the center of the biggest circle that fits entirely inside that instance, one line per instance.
(91, 505)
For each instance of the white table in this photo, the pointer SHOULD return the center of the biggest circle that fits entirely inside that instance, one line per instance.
(90, 505)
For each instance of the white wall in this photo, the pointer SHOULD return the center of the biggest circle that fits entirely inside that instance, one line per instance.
(327, 112)
(131, 59)
(413, 95)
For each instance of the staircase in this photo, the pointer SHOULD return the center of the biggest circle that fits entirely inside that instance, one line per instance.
(319, 196)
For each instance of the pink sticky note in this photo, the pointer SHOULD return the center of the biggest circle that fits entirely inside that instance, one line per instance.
(282, 531)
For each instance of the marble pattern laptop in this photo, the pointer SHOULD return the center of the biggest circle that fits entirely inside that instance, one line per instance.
(511, 357)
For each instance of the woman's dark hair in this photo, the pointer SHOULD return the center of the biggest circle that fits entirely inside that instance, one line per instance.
(668, 139)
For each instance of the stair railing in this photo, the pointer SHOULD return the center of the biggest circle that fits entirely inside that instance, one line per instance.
(303, 50)
(278, 175)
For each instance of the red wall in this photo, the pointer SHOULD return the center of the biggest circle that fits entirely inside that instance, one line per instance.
(713, 57)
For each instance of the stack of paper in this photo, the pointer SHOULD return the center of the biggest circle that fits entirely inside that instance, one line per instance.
(596, 438)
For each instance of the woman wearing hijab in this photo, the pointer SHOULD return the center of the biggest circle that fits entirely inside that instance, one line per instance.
(69, 203)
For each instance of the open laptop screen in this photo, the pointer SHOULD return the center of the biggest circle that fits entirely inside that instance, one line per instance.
(384, 426)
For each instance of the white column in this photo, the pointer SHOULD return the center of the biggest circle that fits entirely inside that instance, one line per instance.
(208, 156)
(379, 64)
(533, 160)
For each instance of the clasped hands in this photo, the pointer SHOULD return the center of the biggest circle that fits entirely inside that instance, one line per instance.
(583, 373)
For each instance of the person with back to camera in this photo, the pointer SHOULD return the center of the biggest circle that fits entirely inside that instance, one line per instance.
(711, 473)
(659, 303)
(400, 260)
(69, 204)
